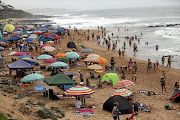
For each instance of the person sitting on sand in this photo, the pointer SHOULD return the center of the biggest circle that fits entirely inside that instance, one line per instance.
(78, 103)
(123, 77)
(149, 66)
(176, 86)
(87, 83)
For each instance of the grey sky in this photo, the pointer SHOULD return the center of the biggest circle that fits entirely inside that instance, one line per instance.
(88, 4)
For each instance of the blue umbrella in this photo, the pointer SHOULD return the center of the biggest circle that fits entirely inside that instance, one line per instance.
(43, 57)
(45, 26)
(15, 38)
(24, 56)
(32, 77)
(41, 37)
(32, 29)
(51, 36)
(45, 39)
(72, 55)
(43, 29)
(4, 41)
(58, 64)
(59, 31)
(31, 62)
(29, 40)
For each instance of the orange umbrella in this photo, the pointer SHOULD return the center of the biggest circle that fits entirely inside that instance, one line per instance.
(102, 60)
(60, 55)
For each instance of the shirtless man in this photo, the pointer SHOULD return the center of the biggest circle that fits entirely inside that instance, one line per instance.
(149, 66)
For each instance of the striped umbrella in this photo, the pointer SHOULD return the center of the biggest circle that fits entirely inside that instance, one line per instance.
(124, 84)
(78, 91)
(95, 67)
(72, 55)
(58, 64)
(32, 77)
(122, 92)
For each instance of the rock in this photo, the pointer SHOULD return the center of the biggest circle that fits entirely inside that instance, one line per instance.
(3, 94)
(12, 118)
(41, 103)
(60, 115)
(42, 114)
(5, 90)
(60, 110)
(21, 110)
(27, 103)
(54, 119)
(47, 110)
(34, 118)
(27, 108)
(53, 116)
(17, 98)
(11, 88)
(20, 95)
(67, 119)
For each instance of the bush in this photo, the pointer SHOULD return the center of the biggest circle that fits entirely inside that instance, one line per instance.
(3, 117)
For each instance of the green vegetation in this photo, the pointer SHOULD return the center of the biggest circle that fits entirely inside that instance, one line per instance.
(3, 117)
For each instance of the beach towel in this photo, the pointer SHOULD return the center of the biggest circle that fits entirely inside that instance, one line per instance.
(87, 111)
(82, 114)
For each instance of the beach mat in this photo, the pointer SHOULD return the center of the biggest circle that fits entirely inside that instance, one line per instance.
(87, 111)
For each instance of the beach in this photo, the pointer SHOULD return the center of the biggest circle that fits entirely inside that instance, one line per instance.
(145, 81)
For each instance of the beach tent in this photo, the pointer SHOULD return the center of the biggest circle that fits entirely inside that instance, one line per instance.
(124, 106)
(20, 64)
(9, 28)
(176, 96)
(31, 62)
(59, 79)
(112, 76)
(71, 45)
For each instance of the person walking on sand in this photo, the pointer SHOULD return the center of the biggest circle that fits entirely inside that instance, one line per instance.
(163, 60)
(149, 66)
(157, 64)
(115, 111)
(119, 51)
(109, 45)
(163, 83)
(169, 62)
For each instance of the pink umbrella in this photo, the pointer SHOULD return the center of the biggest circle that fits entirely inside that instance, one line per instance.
(57, 37)
(20, 53)
(44, 45)
(50, 60)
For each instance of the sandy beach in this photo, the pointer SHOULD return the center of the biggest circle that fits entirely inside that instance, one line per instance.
(145, 81)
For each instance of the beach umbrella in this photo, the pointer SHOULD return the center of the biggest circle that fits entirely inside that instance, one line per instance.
(72, 55)
(102, 60)
(46, 26)
(95, 67)
(4, 41)
(32, 77)
(58, 64)
(122, 92)
(123, 84)
(60, 55)
(63, 59)
(93, 56)
(15, 38)
(20, 53)
(9, 28)
(49, 42)
(45, 39)
(25, 36)
(43, 57)
(43, 29)
(49, 47)
(1, 48)
(12, 53)
(59, 31)
(44, 45)
(50, 60)
(37, 33)
(16, 26)
(92, 60)
(33, 36)
(32, 29)
(29, 40)
(24, 56)
(30, 61)
(86, 51)
(57, 37)
(78, 91)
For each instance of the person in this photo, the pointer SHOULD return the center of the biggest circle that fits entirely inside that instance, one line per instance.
(155, 67)
(119, 52)
(78, 103)
(149, 66)
(109, 45)
(135, 66)
(115, 111)
(157, 47)
(169, 62)
(87, 83)
(123, 53)
(123, 77)
(176, 86)
(163, 83)
(157, 64)
(112, 63)
(134, 75)
(163, 60)
(130, 65)
(99, 83)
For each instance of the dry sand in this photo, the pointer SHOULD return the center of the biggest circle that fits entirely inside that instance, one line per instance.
(145, 81)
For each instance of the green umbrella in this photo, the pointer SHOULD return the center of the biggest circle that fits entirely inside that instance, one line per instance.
(58, 64)
(32, 77)
(72, 55)
(63, 59)
(59, 79)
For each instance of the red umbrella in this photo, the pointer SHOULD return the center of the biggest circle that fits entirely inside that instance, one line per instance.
(17, 26)
(44, 45)
(57, 37)
(50, 60)
(37, 32)
(20, 53)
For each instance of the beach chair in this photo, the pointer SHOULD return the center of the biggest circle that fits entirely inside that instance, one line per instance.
(145, 108)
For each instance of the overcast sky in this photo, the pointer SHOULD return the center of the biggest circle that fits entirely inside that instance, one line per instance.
(88, 4)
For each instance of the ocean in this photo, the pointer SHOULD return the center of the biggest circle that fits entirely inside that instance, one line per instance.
(159, 25)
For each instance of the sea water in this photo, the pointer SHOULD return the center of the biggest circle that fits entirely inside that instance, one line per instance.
(137, 21)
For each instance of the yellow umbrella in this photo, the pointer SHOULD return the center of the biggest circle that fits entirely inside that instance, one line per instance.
(9, 28)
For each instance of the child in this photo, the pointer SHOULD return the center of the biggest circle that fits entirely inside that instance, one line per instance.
(155, 67)
(157, 64)
(134, 75)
